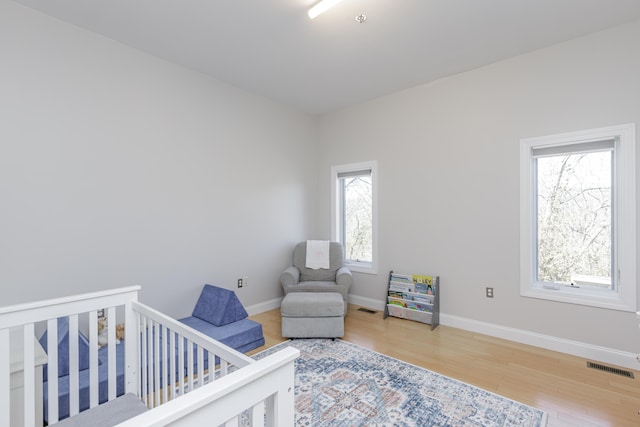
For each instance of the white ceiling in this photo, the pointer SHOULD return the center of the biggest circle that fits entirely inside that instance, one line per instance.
(272, 48)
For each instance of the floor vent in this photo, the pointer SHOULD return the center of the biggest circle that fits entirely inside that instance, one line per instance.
(610, 369)
(366, 310)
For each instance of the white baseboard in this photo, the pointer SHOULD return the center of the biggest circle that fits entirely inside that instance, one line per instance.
(263, 306)
(587, 351)
(366, 302)
(575, 348)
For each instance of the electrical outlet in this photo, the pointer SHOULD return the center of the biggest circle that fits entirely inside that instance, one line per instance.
(240, 283)
(245, 281)
(489, 292)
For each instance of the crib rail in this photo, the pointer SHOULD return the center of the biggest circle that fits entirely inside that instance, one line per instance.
(257, 395)
(222, 383)
(171, 353)
(18, 361)
(180, 374)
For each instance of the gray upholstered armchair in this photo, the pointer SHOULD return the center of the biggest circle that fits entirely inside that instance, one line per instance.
(299, 278)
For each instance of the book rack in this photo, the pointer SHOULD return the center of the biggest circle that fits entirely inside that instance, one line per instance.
(414, 297)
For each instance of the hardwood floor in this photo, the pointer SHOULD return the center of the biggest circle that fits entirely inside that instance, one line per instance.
(559, 384)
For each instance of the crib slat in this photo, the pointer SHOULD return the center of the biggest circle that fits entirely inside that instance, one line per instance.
(144, 384)
(172, 368)
(180, 365)
(150, 361)
(137, 320)
(5, 378)
(131, 349)
(111, 350)
(93, 359)
(211, 367)
(224, 367)
(190, 364)
(200, 366)
(52, 368)
(270, 411)
(74, 379)
(165, 363)
(149, 346)
(29, 376)
(156, 363)
(257, 415)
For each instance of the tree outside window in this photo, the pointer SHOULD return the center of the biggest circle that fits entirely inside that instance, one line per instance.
(574, 218)
(357, 217)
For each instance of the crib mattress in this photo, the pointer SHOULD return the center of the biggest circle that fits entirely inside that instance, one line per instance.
(108, 415)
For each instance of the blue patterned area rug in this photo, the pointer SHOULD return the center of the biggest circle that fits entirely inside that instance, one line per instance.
(342, 384)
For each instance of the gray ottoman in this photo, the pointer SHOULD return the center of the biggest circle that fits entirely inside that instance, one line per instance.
(312, 315)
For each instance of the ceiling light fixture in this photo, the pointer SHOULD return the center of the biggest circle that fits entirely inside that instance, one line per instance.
(321, 7)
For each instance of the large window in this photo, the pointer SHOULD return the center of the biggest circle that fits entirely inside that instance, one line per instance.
(578, 217)
(354, 207)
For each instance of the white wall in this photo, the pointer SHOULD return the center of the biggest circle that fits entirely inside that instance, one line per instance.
(449, 176)
(118, 168)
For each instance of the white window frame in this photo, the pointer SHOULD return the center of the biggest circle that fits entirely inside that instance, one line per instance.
(336, 217)
(623, 296)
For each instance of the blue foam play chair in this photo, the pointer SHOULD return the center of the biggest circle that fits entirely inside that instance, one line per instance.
(219, 314)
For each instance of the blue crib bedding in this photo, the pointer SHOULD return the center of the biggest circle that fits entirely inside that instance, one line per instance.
(103, 370)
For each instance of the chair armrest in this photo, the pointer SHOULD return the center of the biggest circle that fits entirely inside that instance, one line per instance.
(289, 277)
(344, 277)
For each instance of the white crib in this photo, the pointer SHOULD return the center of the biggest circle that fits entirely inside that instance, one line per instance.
(237, 389)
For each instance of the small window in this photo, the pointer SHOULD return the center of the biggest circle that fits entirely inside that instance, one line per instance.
(354, 214)
(578, 217)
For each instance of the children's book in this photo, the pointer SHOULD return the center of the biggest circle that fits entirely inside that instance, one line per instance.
(401, 287)
(406, 278)
(396, 294)
(413, 305)
(398, 302)
(419, 278)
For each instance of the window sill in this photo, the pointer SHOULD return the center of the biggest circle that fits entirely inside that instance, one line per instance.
(611, 301)
(366, 268)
